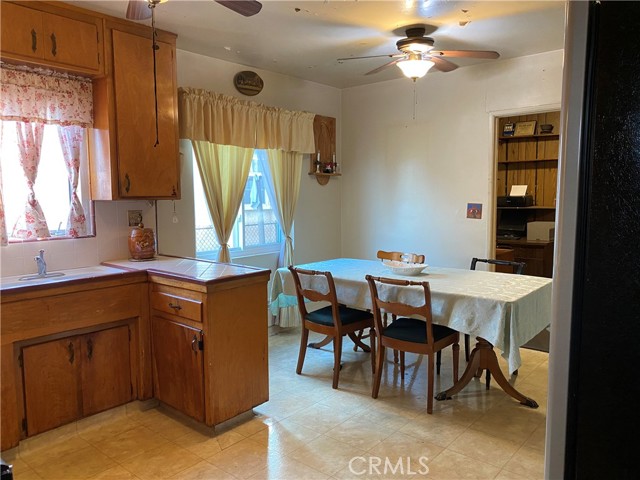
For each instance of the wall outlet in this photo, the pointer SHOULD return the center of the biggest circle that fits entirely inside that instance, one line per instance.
(135, 217)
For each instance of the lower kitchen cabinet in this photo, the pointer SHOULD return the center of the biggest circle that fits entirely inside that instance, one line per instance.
(73, 377)
(178, 366)
(70, 350)
(210, 345)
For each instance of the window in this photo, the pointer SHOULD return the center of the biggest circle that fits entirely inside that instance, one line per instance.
(52, 187)
(256, 229)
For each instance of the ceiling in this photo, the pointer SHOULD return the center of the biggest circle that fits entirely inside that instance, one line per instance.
(305, 38)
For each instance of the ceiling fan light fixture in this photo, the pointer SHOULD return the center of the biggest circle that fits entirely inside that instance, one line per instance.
(415, 67)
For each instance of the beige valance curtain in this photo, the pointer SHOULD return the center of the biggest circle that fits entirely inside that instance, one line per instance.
(226, 120)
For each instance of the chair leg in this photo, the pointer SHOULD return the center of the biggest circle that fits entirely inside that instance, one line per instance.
(466, 347)
(438, 359)
(456, 357)
(401, 363)
(372, 342)
(378, 375)
(488, 378)
(430, 385)
(337, 354)
(304, 338)
(395, 356)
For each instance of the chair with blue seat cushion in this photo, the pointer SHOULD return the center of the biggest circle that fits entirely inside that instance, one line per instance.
(335, 320)
(406, 333)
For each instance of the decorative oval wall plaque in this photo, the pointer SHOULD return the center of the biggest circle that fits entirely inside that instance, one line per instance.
(248, 83)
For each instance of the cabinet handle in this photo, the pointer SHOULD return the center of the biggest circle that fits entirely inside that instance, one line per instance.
(175, 306)
(71, 350)
(127, 182)
(54, 46)
(194, 344)
(90, 349)
(34, 41)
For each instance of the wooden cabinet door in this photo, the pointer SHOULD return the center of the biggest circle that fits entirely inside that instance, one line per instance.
(51, 387)
(178, 366)
(106, 370)
(144, 168)
(22, 31)
(71, 42)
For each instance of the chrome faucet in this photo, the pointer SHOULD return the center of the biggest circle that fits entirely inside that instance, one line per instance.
(42, 265)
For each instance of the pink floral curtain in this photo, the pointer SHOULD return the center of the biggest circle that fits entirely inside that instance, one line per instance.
(33, 98)
(32, 223)
(71, 139)
(49, 97)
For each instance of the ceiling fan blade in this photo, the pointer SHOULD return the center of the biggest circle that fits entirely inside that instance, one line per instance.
(388, 55)
(442, 64)
(465, 53)
(246, 8)
(382, 67)
(138, 10)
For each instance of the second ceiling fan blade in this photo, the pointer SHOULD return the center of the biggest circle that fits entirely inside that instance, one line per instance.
(388, 55)
(442, 64)
(138, 10)
(465, 53)
(246, 8)
(382, 67)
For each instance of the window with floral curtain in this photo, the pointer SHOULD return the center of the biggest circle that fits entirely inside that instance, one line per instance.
(44, 116)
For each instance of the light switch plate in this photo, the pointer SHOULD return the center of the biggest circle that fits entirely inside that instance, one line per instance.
(135, 217)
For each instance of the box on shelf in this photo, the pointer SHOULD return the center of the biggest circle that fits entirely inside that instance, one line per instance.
(541, 231)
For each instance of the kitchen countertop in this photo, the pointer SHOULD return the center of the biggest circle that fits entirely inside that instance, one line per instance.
(199, 271)
(19, 282)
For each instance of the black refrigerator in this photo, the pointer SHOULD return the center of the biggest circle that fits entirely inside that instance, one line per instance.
(595, 354)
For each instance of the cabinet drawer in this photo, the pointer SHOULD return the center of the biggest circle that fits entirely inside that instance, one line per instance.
(175, 305)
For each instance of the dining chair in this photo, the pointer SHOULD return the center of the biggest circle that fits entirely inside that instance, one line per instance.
(335, 320)
(400, 256)
(407, 333)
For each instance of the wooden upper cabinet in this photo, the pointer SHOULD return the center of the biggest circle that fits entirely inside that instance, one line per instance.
(57, 38)
(146, 169)
(125, 159)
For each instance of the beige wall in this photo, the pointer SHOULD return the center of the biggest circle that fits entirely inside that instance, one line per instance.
(407, 181)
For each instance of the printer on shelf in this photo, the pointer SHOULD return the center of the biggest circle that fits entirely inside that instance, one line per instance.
(515, 201)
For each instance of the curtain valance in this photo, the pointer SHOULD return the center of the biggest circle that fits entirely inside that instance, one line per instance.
(45, 97)
(226, 120)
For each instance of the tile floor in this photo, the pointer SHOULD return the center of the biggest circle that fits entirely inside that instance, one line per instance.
(309, 431)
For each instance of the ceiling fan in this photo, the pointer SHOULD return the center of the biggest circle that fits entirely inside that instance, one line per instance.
(142, 9)
(417, 55)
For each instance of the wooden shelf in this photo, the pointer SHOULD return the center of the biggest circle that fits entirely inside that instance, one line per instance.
(542, 136)
(506, 162)
(323, 178)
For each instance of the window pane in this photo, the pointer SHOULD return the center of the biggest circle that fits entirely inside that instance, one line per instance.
(256, 227)
(51, 188)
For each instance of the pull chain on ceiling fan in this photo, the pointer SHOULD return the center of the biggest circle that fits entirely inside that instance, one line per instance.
(417, 55)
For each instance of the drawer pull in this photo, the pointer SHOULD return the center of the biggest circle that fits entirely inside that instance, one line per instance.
(89, 349)
(54, 45)
(194, 344)
(72, 353)
(34, 40)
(175, 306)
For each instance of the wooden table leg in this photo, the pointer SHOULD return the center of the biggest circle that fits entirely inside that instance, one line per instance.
(328, 339)
(484, 356)
(358, 343)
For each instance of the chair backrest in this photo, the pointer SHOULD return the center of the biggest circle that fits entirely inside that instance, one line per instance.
(399, 309)
(314, 290)
(518, 267)
(401, 256)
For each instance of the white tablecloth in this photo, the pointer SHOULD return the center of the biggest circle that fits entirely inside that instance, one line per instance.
(506, 310)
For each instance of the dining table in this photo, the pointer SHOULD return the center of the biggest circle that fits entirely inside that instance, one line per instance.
(501, 310)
